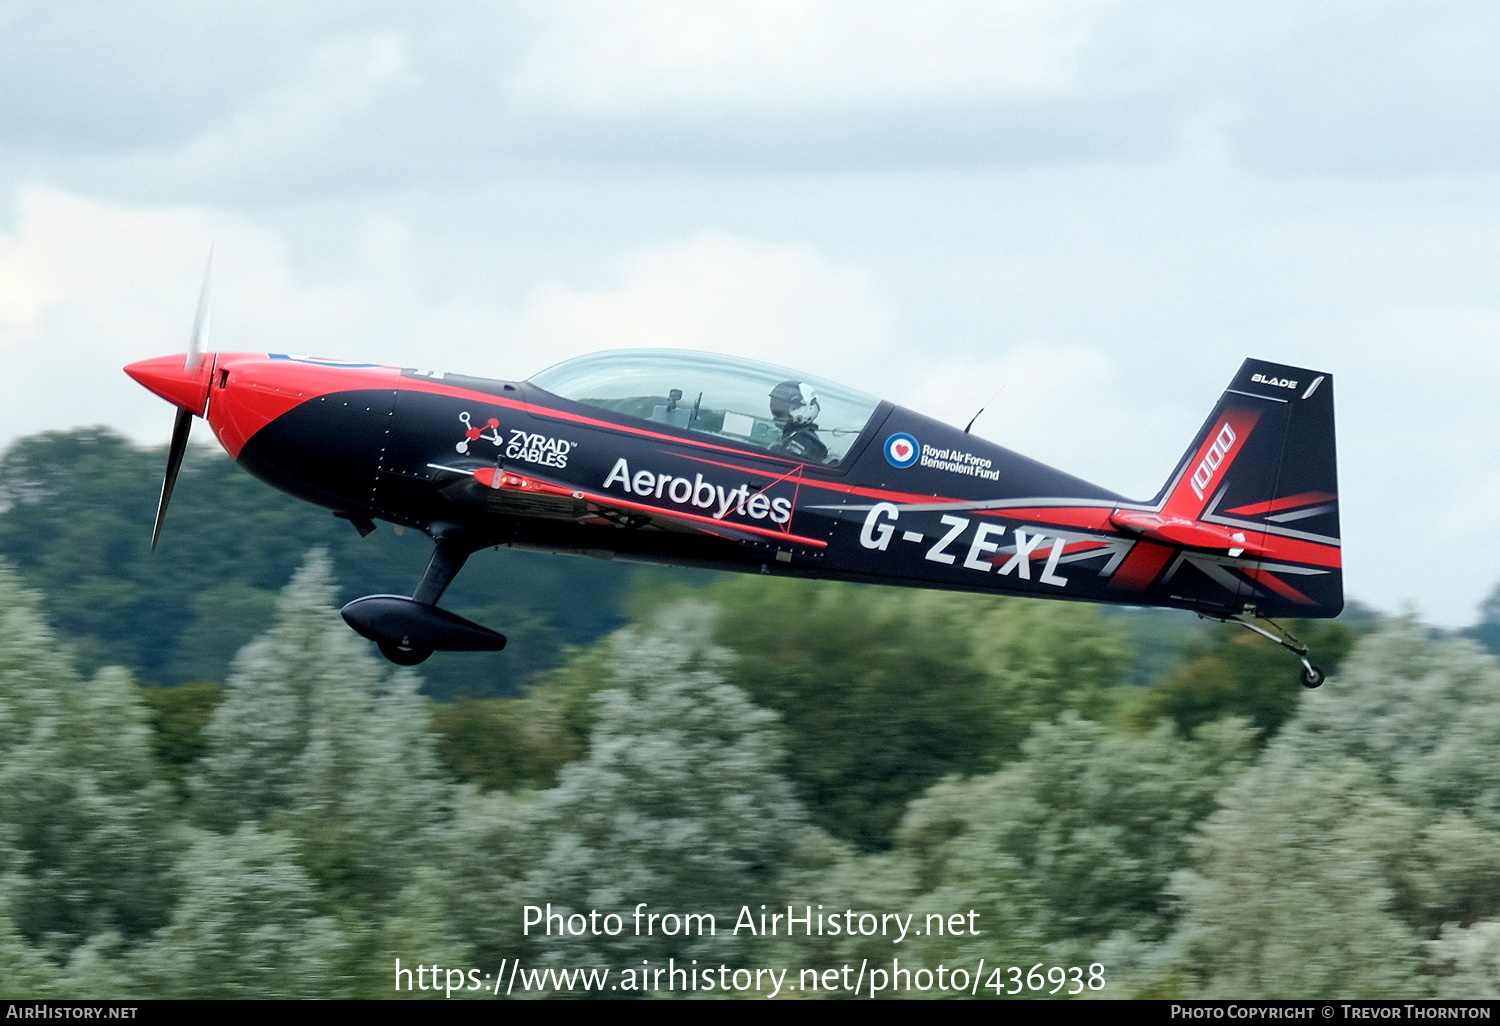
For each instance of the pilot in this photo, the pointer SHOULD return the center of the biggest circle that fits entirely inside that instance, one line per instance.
(794, 407)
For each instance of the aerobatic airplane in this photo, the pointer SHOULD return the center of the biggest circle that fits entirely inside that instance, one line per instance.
(703, 460)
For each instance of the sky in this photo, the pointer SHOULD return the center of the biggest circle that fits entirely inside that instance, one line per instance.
(1081, 215)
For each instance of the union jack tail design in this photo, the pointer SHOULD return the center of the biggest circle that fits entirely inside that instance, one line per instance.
(1252, 508)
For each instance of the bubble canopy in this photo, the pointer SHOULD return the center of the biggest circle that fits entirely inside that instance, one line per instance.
(722, 396)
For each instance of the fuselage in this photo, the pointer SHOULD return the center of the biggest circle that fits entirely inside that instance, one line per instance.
(895, 498)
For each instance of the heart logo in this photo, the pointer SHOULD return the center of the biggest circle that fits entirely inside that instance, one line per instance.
(902, 450)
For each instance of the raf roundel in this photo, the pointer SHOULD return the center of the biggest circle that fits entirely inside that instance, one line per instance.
(902, 450)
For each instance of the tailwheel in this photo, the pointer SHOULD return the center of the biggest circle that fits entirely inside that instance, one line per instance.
(403, 654)
(1311, 677)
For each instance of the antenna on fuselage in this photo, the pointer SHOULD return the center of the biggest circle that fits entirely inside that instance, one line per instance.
(983, 408)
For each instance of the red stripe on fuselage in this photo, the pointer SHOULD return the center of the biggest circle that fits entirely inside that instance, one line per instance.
(250, 390)
(1095, 518)
(262, 388)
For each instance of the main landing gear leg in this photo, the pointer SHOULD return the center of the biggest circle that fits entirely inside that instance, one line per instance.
(450, 551)
(1312, 676)
(408, 630)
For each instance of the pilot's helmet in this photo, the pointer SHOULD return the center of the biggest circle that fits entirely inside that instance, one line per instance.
(794, 402)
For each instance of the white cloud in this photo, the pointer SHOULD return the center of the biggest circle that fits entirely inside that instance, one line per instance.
(603, 58)
(84, 287)
(68, 251)
(298, 126)
(1418, 422)
(1064, 405)
(784, 304)
(87, 286)
(488, 191)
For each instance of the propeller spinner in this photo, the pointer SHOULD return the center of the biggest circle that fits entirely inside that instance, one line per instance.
(183, 383)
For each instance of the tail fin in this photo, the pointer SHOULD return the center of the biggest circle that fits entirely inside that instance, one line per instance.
(1253, 505)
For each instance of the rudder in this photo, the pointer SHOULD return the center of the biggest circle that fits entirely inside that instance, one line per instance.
(1263, 472)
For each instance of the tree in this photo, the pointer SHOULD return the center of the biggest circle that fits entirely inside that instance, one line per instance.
(1368, 827)
(1289, 900)
(260, 731)
(1423, 714)
(1088, 828)
(1236, 673)
(368, 801)
(318, 737)
(1468, 961)
(1487, 630)
(1040, 660)
(24, 971)
(245, 925)
(678, 804)
(178, 718)
(884, 691)
(83, 816)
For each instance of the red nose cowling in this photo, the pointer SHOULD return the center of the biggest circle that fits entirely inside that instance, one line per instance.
(168, 378)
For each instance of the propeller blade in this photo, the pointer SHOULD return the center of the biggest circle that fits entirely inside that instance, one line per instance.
(180, 431)
(200, 322)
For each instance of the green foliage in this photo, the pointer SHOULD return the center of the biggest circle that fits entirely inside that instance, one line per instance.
(178, 717)
(1238, 673)
(332, 743)
(245, 925)
(1422, 714)
(1057, 856)
(878, 691)
(83, 816)
(1157, 639)
(1467, 959)
(76, 510)
(510, 743)
(822, 870)
(1487, 630)
(260, 731)
(1367, 826)
(1092, 822)
(223, 618)
(678, 803)
(24, 971)
(885, 691)
(1449, 872)
(77, 519)
(1041, 659)
(502, 744)
(1289, 900)
(417, 933)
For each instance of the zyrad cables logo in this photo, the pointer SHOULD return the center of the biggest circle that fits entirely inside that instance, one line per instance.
(902, 450)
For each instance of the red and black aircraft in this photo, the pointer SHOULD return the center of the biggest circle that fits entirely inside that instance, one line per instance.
(705, 460)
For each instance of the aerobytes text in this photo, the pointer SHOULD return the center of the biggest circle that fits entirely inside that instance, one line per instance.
(715, 499)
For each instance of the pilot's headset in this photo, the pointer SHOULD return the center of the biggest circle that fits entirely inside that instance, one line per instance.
(794, 402)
